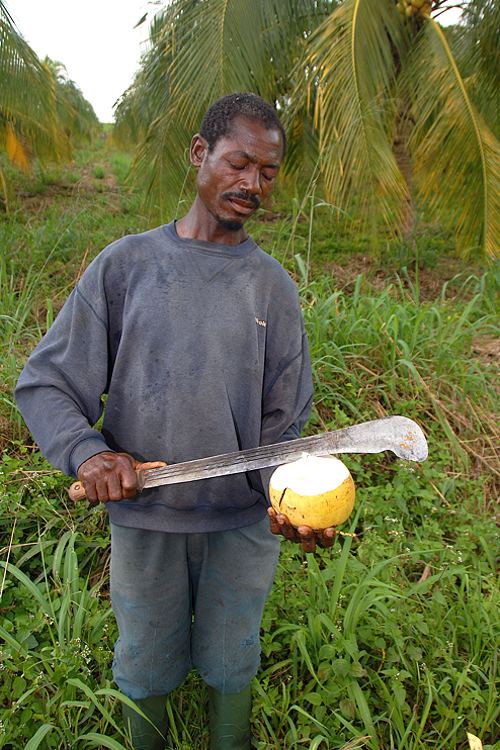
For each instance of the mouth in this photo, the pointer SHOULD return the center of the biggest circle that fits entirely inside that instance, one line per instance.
(242, 206)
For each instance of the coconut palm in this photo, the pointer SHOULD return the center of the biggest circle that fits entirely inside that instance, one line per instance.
(397, 124)
(370, 89)
(75, 114)
(27, 105)
(41, 112)
(198, 52)
(476, 47)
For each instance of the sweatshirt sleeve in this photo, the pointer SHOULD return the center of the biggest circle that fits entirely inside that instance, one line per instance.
(59, 391)
(288, 388)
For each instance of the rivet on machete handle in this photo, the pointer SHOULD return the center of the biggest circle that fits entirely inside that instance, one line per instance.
(77, 492)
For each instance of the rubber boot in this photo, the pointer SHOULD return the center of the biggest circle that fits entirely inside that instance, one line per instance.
(146, 735)
(229, 719)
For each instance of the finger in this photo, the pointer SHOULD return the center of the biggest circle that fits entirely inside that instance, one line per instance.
(101, 489)
(307, 538)
(286, 528)
(273, 521)
(327, 537)
(114, 487)
(90, 492)
(309, 545)
(128, 482)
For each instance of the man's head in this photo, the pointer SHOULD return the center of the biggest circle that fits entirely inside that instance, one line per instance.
(219, 118)
(237, 152)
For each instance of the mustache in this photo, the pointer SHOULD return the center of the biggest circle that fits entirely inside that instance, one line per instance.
(243, 197)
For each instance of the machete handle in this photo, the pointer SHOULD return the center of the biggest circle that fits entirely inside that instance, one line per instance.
(77, 491)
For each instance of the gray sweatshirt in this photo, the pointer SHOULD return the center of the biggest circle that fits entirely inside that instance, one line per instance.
(201, 350)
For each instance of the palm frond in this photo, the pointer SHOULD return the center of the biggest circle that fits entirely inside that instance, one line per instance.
(480, 41)
(475, 45)
(352, 66)
(75, 114)
(199, 52)
(28, 96)
(15, 149)
(161, 166)
(456, 157)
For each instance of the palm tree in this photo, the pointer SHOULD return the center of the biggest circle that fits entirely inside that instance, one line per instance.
(40, 110)
(198, 52)
(397, 124)
(477, 51)
(370, 90)
(75, 114)
(27, 111)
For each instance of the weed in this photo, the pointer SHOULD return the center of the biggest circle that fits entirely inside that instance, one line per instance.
(387, 640)
(99, 172)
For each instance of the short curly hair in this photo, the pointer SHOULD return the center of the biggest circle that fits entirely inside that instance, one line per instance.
(219, 117)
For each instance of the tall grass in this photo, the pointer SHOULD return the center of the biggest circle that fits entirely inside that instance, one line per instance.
(377, 353)
(388, 640)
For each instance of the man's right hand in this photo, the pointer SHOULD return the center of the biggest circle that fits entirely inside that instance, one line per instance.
(109, 477)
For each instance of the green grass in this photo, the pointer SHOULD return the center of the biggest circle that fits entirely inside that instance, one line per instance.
(99, 172)
(390, 639)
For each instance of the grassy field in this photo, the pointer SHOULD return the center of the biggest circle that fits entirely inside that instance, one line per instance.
(387, 641)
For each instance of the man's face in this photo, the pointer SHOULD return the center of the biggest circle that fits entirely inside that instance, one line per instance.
(239, 173)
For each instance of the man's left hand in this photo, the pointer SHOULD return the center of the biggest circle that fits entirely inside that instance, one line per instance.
(304, 535)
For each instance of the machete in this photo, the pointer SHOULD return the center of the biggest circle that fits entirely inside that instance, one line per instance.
(398, 434)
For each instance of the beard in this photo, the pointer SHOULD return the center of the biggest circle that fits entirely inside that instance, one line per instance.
(232, 225)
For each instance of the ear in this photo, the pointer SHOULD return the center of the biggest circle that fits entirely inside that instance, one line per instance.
(198, 150)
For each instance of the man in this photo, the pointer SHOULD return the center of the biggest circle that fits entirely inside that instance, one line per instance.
(196, 335)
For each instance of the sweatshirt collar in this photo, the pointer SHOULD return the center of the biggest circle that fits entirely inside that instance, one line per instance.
(213, 248)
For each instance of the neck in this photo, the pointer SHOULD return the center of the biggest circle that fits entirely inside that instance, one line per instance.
(200, 224)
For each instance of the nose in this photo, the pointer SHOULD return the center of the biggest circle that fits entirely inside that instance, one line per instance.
(250, 182)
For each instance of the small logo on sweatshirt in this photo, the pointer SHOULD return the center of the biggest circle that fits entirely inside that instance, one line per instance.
(260, 322)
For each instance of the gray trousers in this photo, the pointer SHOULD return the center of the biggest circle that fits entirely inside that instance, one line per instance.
(189, 600)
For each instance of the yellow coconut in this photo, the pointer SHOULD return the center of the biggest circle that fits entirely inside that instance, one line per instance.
(313, 491)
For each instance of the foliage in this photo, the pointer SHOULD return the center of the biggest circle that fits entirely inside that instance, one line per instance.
(388, 130)
(192, 61)
(387, 640)
(74, 112)
(478, 56)
(27, 108)
(42, 113)
(393, 129)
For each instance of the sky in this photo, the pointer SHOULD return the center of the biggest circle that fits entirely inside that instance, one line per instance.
(95, 40)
